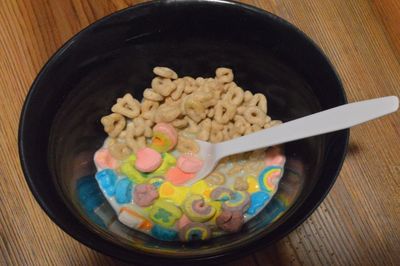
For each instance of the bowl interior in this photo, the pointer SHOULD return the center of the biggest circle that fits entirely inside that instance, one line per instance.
(60, 129)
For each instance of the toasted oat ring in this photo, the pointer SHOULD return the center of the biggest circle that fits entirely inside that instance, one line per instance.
(151, 95)
(260, 101)
(119, 151)
(224, 112)
(113, 124)
(224, 75)
(186, 145)
(149, 108)
(167, 113)
(194, 109)
(165, 72)
(163, 86)
(127, 106)
(255, 115)
(234, 95)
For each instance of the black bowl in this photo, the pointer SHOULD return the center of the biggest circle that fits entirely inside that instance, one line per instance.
(60, 129)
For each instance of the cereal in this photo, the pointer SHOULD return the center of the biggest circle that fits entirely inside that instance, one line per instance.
(230, 221)
(166, 113)
(127, 106)
(163, 86)
(194, 231)
(260, 101)
(151, 95)
(224, 75)
(149, 108)
(224, 112)
(255, 115)
(120, 151)
(145, 195)
(197, 210)
(186, 145)
(189, 163)
(234, 95)
(113, 124)
(134, 142)
(147, 160)
(151, 152)
(165, 72)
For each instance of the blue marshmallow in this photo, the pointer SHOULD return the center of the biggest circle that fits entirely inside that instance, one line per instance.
(257, 200)
(106, 179)
(123, 191)
(165, 234)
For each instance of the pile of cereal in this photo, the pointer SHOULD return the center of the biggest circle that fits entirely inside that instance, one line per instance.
(151, 153)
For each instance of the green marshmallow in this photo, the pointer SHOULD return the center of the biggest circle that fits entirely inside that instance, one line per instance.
(128, 169)
(165, 213)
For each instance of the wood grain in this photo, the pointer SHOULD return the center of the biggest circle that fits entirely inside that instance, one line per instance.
(357, 224)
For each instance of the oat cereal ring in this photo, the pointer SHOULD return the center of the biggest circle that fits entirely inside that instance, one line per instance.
(193, 126)
(275, 123)
(205, 129)
(186, 145)
(194, 109)
(224, 75)
(255, 115)
(247, 96)
(230, 131)
(151, 95)
(113, 124)
(260, 101)
(234, 95)
(241, 183)
(190, 85)
(211, 112)
(216, 134)
(229, 85)
(215, 179)
(180, 87)
(134, 142)
(167, 113)
(199, 82)
(241, 124)
(248, 130)
(180, 123)
(127, 106)
(224, 112)
(163, 86)
(255, 128)
(149, 109)
(165, 72)
(119, 151)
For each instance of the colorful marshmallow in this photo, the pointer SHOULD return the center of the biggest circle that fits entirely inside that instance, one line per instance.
(145, 195)
(123, 191)
(164, 138)
(189, 163)
(106, 179)
(164, 213)
(194, 232)
(269, 178)
(257, 201)
(147, 160)
(129, 170)
(132, 219)
(222, 194)
(230, 221)
(103, 159)
(197, 210)
(168, 160)
(177, 177)
(163, 233)
(240, 201)
(173, 193)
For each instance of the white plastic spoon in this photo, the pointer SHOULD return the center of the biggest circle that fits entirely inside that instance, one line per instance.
(330, 120)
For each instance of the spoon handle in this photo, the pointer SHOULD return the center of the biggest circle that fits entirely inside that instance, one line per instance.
(330, 120)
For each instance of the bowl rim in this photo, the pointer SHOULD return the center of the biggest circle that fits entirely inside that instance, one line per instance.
(227, 255)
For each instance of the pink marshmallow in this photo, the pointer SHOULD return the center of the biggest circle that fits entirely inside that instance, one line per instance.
(103, 159)
(169, 130)
(183, 221)
(189, 163)
(274, 157)
(147, 160)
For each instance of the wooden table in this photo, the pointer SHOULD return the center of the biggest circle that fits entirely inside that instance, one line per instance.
(359, 221)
